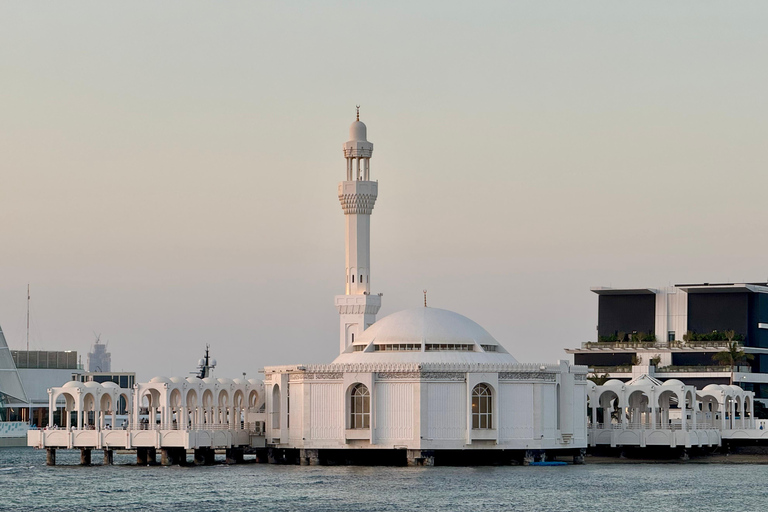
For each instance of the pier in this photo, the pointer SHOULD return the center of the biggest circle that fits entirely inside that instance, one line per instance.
(170, 416)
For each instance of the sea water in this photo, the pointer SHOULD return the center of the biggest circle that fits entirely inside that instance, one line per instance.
(26, 484)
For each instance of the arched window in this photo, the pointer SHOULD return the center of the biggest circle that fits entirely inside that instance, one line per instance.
(276, 406)
(359, 407)
(482, 407)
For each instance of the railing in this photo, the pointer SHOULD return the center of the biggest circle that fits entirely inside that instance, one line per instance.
(608, 345)
(611, 369)
(253, 427)
(674, 369)
(675, 425)
(712, 368)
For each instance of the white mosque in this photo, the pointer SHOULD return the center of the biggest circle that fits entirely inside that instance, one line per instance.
(423, 384)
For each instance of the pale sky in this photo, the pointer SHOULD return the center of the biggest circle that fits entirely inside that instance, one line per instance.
(168, 170)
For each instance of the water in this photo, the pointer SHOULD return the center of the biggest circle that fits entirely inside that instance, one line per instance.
(27, 484)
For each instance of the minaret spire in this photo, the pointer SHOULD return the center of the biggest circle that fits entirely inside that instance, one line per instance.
(357, 194)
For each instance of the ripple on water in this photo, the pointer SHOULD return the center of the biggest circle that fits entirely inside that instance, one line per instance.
(27, 484)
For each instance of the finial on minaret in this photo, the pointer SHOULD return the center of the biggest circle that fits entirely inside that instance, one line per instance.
(425, 298)
(358, 112)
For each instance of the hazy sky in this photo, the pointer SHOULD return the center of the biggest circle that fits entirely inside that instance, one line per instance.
(168, 170)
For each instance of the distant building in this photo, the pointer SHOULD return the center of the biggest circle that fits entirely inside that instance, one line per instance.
(40, 370)
(99, 360)
(683, 327)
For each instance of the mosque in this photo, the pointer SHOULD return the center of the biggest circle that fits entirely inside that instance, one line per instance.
(423, 384)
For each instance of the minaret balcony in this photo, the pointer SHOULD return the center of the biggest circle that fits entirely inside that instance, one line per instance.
(358, 304)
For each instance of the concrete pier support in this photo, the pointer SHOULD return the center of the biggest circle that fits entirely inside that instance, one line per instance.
(234, 456)
(421, 458)
(171, 456)
(204, 456)
(578, 457)
(109, 457)
(50, 458)
(85, 456)
(261, 456)
(146, 456)
(309, 457)
(141, 456)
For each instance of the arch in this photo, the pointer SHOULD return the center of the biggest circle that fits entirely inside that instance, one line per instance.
(253, 399)
(191, 399)
(638, 404)
(238, 399)
(359, 407)
(223, 398)
(482, 407)
(275, 407)
(607, 405)
(207, 398)
(105, 404)
(175, 399)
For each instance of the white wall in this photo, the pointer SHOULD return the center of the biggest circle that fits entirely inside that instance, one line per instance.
(394, 410)
(446, 406)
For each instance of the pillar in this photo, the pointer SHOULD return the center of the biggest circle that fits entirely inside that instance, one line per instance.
(50, 458)
(578, 457)
(109, 457)
(141, 456)
(420, 458)
(151, 456)
(85, 456)
(309, 457)
(166, 457)
(234, 455)
(204, 456)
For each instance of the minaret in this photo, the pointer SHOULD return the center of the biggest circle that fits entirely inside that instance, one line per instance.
(357, 307)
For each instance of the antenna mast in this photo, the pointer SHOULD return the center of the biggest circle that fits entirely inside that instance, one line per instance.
(28, 297)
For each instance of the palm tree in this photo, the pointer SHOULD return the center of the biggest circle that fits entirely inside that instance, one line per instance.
(733, 355)
(599, 380)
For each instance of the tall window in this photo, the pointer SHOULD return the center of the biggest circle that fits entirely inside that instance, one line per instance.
(482, 407)
(288, 406)
(276, 406)
(360, 407)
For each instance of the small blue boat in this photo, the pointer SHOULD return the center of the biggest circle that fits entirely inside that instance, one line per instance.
(549, 463)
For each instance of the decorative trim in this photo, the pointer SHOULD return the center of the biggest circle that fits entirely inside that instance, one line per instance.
(545, 376)
(357, 203)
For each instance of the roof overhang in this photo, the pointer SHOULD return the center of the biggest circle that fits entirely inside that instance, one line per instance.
(602, 290)
(724, 288)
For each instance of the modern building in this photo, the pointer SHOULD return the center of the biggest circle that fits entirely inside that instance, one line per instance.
(681, 328)
(40, 370)
(14, 404)
(99, 360)
(422, 385)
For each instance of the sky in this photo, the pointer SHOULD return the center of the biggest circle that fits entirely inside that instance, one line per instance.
(168, 170)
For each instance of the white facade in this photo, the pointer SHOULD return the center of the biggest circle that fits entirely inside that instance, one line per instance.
(423, 379)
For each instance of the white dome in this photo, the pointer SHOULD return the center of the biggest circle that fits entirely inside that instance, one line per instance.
(428, 326)
(158, 379)
(673, 382)
(110, 384)
(614, 382)
(358, 131)
(73, 384)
